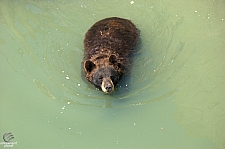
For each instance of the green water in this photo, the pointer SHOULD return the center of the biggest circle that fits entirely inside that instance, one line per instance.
(174, 96)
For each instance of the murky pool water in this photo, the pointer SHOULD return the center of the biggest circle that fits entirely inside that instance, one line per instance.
(174, 96)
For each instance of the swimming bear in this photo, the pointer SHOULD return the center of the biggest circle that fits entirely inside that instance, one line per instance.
(108, 45)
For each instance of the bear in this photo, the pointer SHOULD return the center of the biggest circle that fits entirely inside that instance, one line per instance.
(107, 48)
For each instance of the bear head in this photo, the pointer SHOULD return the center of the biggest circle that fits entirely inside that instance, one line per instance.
(104, 72)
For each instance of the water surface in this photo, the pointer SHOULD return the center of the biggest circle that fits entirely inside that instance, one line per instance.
(173, 98)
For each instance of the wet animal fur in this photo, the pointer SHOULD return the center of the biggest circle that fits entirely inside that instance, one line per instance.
(109, 42)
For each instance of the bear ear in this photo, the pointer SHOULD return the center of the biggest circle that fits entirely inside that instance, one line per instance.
(89, 66)
(113, 59)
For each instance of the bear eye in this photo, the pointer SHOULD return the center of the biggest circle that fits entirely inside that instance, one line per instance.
(100, 78)
(112, 77)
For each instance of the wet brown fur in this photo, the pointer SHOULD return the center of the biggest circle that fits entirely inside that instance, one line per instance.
(107, 37)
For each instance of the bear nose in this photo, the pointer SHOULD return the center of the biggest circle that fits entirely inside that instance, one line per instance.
(108, 88)
(107, 85)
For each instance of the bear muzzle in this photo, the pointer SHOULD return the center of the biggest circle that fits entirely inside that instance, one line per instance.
(107, 85)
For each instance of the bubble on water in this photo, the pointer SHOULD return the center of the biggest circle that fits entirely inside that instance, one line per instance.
(132, 2)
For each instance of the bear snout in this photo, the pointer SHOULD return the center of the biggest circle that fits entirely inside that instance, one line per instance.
(107, 85)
